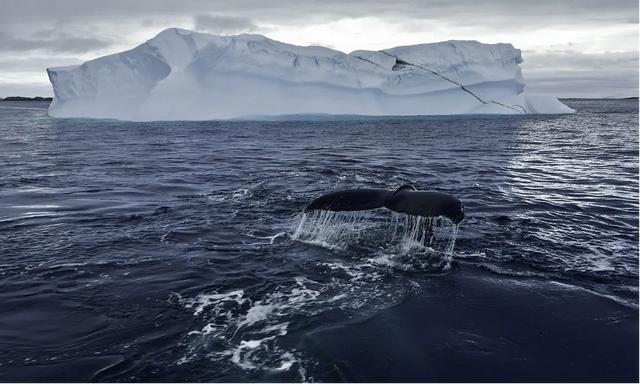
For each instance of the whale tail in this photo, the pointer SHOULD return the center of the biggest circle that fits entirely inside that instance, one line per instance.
(405, 199)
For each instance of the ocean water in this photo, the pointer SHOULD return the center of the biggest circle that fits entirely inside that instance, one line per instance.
(165, 251)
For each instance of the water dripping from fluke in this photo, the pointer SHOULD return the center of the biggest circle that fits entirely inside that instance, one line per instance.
(401, 223)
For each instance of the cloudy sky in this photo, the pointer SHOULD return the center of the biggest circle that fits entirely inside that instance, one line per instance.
(579, 48)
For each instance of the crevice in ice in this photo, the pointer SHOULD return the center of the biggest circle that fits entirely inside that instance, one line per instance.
(400, 64)
(369, 61)
(524, 111)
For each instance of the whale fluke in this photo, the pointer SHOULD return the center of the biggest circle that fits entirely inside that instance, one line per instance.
(405, 199)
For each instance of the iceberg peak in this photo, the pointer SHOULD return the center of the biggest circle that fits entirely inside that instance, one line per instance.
(187, 75)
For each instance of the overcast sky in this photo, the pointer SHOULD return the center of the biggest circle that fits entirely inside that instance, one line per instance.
(579, 48)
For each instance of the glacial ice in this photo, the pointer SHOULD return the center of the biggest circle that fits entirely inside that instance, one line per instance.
(185, 75)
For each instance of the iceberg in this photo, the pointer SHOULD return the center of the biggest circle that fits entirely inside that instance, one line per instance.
(186, 75)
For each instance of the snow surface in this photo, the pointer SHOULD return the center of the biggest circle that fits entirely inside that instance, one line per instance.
(185, 75)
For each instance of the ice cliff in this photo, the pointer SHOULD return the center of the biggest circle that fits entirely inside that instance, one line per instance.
(184, 75)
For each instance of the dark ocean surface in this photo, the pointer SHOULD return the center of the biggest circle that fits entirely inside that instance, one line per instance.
(163, 251)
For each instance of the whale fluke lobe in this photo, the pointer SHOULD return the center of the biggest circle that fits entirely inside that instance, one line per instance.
(405, 199)
(350, 200)
(426, 204)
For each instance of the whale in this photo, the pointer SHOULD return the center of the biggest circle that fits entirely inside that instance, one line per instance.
(406, 199)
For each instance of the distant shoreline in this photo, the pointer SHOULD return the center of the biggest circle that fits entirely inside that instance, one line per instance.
(24, 98)
(599, 98)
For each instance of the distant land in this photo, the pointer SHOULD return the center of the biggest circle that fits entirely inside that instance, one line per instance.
(599, 98)
(23, 98)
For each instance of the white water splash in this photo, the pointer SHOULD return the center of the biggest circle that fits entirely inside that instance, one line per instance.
(331, 229)
(401, 234)
(246, 329)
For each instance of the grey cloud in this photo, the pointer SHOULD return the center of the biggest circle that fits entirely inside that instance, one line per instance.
(77, 44)
(32, 70)
(468, 12)
(570, 85)
(224, 24)
(35, 64)
(13, 89)
(56, 43)
(570, 59)
(232, 16)
(575, 74)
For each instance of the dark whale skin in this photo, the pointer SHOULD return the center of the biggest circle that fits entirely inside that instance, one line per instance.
(404, 200)
(350, 200)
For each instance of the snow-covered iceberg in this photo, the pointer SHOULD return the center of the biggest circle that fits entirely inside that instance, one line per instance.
(185, 75)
